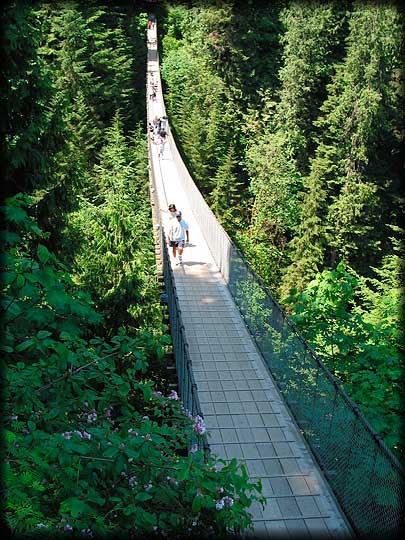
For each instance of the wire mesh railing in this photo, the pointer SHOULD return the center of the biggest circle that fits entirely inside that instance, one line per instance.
(187, 386)
(364, 475)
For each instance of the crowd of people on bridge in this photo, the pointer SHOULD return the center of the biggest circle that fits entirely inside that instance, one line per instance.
(158, 132)
(153, 87)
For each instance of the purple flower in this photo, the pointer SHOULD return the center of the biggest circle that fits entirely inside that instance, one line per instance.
(173, 395)
(132, 481)
(92, 417)
(194, 448)
(228, 501)
(199, 425)
(67, 434)
(187, 413)
(68, 527)
(158, 394)
(86, 435)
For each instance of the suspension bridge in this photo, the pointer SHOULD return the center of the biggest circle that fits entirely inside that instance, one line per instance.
(265, 397)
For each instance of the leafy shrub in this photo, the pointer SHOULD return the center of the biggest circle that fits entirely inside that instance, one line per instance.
(90, 447)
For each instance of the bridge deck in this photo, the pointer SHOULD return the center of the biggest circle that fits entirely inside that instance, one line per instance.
(245, 416)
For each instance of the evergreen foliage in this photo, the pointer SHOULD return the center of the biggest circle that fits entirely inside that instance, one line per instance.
(360, 126)
(314, 96)
(31, 120)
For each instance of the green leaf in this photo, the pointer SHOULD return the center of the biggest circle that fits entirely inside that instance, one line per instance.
(25, 345)
(131, 453)
(95, 498)
(143, 496)
(183, 474)
(9, 238)
(42, 334)
(13, 213)
(112, 451)
(8, 277)
(75, 506)
(197, 503)
(43, 254)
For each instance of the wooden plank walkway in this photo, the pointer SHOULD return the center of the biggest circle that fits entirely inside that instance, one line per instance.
(245, 415)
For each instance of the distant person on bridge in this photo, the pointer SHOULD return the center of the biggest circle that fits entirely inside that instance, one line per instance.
(172, 211)
(172, 216)
(162, 140)
(178, 234)
(156, 125)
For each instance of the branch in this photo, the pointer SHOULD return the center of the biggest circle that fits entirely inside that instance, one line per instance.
(66, 375)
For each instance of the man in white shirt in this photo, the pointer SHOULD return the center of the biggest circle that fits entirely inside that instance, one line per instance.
(177, 235)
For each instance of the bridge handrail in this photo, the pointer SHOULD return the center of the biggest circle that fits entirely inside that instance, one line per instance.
(345, 446)
(186, 383)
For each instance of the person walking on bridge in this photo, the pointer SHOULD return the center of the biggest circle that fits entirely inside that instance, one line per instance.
(172, 211)
(177, 235)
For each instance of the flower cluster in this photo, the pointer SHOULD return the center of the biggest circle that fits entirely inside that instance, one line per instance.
(92, 417)
(187, 413)
(225, 502)
(80, 434)
(199, 426)
(132, 481)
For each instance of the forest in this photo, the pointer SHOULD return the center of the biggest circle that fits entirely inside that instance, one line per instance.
(288, 115)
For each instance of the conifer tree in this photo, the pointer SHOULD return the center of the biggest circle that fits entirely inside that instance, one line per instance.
(278, 155)
(312, 45)
(29, 124)
(361, 115)
(348, 197)
(225, 198)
